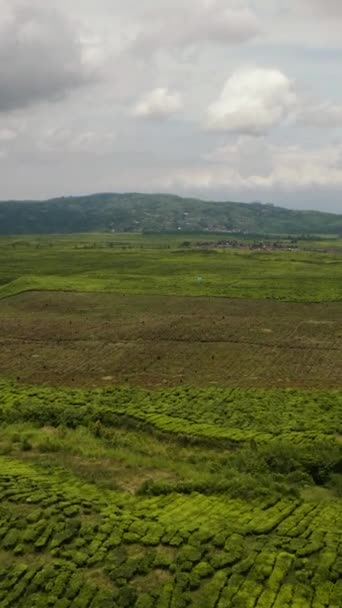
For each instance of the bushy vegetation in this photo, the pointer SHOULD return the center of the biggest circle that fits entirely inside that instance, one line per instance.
(137, 212)
(239, 443)
(124, 497)
(67, 541)
(214, 416)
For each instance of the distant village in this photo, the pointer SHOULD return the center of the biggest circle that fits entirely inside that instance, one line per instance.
(262, 245)
(255, 245)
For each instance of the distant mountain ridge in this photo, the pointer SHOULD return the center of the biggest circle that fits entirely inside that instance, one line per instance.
(134, 212)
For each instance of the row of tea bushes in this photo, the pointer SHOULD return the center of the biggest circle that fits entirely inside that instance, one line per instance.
(65, 544)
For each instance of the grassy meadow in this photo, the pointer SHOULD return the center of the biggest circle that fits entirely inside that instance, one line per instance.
(167, 442)
(157, 265)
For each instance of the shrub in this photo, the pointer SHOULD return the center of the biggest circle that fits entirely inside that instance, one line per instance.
(144, 601)
(335, 483)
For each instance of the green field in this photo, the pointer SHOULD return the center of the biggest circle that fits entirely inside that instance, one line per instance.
(167, 442)
(161, 266)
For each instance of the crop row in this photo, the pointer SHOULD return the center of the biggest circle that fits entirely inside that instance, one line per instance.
(217, 414)
(67, 548)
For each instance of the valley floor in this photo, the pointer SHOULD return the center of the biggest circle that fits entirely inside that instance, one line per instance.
(174, 450)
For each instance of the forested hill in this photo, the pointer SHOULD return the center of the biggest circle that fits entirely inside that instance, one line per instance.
(157, 213)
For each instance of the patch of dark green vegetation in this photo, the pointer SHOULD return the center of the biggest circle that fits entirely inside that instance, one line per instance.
(269, 439)
(122, 498)
(157, 213)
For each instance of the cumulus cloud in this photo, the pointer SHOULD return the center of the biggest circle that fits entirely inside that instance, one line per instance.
(291, 175)
(283, 166)
(253, 101)
(298, 177)
(180, 24)
(48, 49)
(158, 104)
(41, 55)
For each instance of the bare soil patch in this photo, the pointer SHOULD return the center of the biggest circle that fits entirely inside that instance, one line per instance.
(96, 340)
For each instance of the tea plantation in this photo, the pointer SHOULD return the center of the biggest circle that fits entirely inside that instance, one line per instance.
(238, 505)
(165, 443)
(64, 544)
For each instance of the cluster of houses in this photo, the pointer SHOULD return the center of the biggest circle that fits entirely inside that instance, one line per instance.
(255, 245)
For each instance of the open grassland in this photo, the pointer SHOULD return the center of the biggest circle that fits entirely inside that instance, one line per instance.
(155, 265)
(104, 504)
(99, 339)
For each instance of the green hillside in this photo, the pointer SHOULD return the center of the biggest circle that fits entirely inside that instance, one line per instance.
(157, 213)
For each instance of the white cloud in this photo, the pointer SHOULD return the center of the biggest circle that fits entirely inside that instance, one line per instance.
(48, 49)
(287, 167)
(179, 24)
(298, 167)
(158, 104)
(253, 101)
(281, 173)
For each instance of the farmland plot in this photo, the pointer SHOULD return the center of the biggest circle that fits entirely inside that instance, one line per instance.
(180, 497)
(172, 450)
(77, 339)
(66, 544)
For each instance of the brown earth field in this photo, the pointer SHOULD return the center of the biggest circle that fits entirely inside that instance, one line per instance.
(76, 339)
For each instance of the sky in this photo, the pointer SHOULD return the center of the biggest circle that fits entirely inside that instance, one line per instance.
(236, 100)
